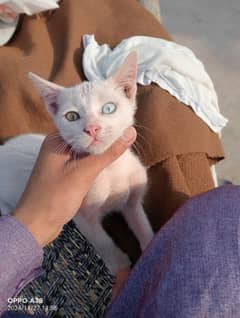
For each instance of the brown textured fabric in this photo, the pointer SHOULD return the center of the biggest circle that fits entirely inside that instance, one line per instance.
(176, 179)
(172, 140)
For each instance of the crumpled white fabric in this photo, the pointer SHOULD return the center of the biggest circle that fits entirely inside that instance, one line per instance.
(30, 7)
(173, 67)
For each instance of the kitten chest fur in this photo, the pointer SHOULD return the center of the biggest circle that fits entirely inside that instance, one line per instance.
(112, 188)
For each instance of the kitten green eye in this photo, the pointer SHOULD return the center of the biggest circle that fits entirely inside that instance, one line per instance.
(72, 116)
(109, 108)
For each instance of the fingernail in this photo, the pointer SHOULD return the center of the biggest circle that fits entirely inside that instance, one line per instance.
(129, 134)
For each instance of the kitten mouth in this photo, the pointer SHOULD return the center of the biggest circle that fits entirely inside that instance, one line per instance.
(94, 141)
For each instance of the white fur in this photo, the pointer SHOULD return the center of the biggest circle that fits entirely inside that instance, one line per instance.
(119, 187)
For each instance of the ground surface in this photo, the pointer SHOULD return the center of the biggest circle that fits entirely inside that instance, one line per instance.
(211, 28)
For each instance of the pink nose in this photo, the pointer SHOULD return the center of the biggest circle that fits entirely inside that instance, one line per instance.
(92, 130)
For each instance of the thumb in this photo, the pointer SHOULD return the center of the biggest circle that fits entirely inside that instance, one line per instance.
(118, 147)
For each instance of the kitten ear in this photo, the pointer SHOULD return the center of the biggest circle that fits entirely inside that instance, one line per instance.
(126, 76)
(49, 91)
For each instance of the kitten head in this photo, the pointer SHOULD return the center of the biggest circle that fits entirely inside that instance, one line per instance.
(92, 115)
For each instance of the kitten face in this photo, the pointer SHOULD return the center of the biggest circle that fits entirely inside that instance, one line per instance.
(92, 115)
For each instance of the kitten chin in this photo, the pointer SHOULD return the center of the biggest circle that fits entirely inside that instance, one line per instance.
(92, 149)
(95, 149)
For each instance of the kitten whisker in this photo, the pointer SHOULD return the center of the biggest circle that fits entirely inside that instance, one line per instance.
(136, 150)
(54, 135)
(61, 148)
(74, 157)
(139, 149)
(137, 124)
(71, 159)
(145, 141)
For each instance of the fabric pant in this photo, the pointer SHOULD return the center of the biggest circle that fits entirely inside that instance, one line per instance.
(191, 268)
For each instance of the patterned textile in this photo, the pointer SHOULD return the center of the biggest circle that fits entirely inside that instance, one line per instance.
(75, 282)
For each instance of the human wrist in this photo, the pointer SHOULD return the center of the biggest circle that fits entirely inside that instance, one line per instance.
(41, 229)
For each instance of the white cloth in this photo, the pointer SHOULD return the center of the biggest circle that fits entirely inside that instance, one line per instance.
(173, 67)
(30, 6)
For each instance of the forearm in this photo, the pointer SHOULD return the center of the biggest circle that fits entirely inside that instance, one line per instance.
(21, 258)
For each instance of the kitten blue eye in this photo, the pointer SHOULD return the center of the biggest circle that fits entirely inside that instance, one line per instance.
(72, 116)
(109, 108)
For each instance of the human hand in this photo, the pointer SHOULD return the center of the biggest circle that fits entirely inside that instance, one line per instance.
(6, 13)
(58, 185)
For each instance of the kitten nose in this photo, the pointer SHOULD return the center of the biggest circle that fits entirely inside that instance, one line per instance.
(92, 130)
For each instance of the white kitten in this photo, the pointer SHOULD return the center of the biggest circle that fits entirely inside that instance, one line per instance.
(90, 117)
